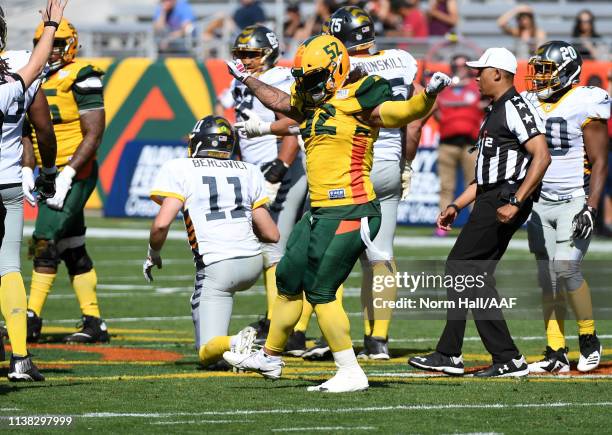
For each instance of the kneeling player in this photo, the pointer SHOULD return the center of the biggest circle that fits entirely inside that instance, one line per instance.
(561, 223)
(222, 201)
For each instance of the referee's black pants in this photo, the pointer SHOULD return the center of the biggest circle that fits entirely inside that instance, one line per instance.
(480, 245)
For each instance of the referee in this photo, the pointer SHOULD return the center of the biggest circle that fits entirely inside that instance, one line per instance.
(512, 159)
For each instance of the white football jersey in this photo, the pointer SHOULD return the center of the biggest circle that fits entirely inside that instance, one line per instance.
(219, 197)
(568, 174)
(399, 68)
(10, 161)
(258, 150)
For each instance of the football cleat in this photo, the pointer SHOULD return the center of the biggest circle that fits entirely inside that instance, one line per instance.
(375, 348)
(262, 326)
(34, 327)
(270, 367)
(319, 351)
(344, 381)
(93, 330)
(246, 338)
(22, 369)
(296, 344)
(437, 362)
(555, 361)
(590, 352)
(510, 369)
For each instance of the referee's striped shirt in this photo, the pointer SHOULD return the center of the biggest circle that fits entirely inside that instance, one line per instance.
(509, 123)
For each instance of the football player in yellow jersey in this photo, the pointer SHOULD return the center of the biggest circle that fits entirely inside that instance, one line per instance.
(74, 91)
(339, 116)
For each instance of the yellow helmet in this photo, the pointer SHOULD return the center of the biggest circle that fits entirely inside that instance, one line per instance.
(65, 44)
(320, 67)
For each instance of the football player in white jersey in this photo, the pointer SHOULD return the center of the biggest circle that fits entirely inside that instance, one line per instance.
(13, 88)
(223, 202)
(283, 168)
(562, 221)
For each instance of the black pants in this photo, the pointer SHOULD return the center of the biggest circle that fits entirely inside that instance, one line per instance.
(480, 245)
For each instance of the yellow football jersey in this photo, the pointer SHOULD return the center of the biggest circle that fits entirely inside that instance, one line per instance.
(73, 88)
(339, 147)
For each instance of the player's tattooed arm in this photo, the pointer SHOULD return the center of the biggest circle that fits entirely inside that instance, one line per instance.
(595, 135)
(273, 98)
(92, 126)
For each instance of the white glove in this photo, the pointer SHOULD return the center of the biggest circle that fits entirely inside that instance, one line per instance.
(272, 191)
(153, 259)
(237, 69)
(63, 183)
(254, 126)
(406, 180)
(27, 184)
(437, 82)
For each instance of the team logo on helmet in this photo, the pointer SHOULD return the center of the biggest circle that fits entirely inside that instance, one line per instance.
(353, 26)
(555, 66)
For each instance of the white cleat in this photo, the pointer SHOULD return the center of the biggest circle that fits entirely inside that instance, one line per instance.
(590, 352)
(246, 338)
(554, 361)
(270, 367)
(344, 381)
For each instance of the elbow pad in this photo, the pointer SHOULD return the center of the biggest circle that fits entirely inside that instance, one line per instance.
(395, 114)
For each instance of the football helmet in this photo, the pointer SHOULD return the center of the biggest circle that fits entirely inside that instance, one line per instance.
(257, 47)
(65, 44)
(3, 30)
(353, 26)
(555, 66)
(320, 67)
(212, 136)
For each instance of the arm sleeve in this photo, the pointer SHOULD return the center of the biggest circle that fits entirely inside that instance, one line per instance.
(9, 92)
(395, 114)
(257, 188)
(523, 120)
(168, 183)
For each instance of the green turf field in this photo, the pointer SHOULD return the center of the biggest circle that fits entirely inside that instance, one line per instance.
(147, 379)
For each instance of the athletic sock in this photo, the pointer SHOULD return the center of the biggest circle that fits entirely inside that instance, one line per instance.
(271, 290)
(13, 302)
(345, 359)
(554, 320)
(287, 311)
(307, 309)
(335, 326)
(39, 290)
(85, 288)
(580, 300)
(382, 316)
(212, 351)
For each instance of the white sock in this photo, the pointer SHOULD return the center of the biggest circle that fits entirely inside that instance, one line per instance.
(234, 341)
(346, 359)
(262, 354)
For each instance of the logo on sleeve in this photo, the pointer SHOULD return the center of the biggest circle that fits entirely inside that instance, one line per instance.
(336, 194)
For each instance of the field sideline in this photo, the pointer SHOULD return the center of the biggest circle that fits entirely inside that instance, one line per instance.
(147, 378)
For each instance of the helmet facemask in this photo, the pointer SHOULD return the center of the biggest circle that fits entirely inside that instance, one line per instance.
(254, 59)
(318, 83)
(542, 78)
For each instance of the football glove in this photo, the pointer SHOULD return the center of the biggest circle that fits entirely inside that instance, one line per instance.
(28, 185)
(274, 171)
(45, 183)
(437, 82)
(237, 69)
(153, 259)
(406, 180)
(63, 183)
(583, 223)
(254, 126)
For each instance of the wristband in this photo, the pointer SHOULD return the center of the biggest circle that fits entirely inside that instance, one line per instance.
(455, 206)
(49, 171)
(51, 24)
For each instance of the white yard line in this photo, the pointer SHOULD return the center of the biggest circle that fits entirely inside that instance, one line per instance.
(402, 241)
(450, 406)
(321, 428)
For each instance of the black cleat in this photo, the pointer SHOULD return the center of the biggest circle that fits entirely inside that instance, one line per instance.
(93, 330)
(438, 362)
(319, 351)
(375, 348)
(510, 369)
(554, 361)
(262, 326)
(590, 352)
(22, 369)
(34, 327)
(296, 344)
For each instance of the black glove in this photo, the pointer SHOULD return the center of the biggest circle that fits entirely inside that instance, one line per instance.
(274, 171)
(582, 225)
(45, 184)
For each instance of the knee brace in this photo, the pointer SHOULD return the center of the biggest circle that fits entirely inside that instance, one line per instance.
(44, 252)
(77, 260)
(568, 272)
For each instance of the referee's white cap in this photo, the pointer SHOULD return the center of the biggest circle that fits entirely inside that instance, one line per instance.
(496, 57)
